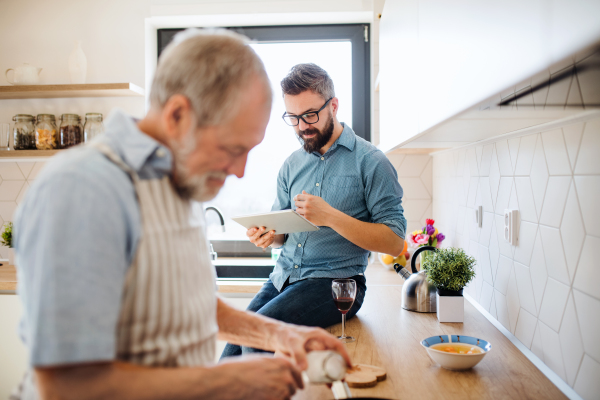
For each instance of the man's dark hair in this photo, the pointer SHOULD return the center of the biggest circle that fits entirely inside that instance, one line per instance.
(303, 77)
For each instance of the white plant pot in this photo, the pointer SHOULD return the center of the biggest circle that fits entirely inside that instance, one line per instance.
(11, 256)
(450, 308)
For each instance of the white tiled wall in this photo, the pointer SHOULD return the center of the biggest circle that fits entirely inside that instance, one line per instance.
(545, 290)
(15, 178)
(415, 177)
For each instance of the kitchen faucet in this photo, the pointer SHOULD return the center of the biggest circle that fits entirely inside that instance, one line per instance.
(213, 253)
(215, 209)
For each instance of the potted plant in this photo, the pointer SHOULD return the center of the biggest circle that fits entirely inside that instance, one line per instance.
(6, 240)
(450, 270)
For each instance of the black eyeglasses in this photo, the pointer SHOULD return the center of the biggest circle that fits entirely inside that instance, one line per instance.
(308, 118)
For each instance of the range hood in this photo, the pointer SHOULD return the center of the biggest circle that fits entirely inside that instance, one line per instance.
(565, 90)
(575, 86)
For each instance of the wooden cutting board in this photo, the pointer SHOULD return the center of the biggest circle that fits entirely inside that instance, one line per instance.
(363, 376)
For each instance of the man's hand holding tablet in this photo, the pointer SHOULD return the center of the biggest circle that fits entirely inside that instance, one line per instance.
(260, 238)
(268, 229)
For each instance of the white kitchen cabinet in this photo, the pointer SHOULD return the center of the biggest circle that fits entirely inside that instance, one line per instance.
(13, 353)
(440, 58)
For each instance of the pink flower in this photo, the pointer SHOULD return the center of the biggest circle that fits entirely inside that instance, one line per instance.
(421, 239)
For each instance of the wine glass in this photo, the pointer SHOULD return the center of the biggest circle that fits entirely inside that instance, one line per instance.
(344, 293)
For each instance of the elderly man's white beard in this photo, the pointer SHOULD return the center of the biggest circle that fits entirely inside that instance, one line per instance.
(188, 185)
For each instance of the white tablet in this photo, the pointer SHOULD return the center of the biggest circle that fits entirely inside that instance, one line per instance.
(286, 221)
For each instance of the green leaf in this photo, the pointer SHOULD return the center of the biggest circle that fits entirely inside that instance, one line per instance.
(450, 268)
(6, 239)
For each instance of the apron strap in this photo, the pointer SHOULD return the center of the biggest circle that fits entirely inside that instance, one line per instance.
(112, 156)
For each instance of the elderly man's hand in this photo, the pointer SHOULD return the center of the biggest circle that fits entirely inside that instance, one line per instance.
(261, 378)
(295, 341)
(314, 208)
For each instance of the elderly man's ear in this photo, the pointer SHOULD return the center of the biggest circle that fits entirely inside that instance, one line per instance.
(177, 117)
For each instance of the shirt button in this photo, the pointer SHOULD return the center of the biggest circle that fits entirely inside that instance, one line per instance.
(322, 158)
(295, 266)
(299, 244)
(160, 153)
(317, 183)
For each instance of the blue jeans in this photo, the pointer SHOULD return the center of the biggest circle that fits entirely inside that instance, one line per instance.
(306, 302)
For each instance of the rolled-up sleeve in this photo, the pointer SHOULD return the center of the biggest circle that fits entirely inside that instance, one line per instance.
(383, 193)
(282, 201)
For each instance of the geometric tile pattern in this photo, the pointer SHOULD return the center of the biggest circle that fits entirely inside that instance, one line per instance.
(545, 290)
(15, 178)
(415, 177)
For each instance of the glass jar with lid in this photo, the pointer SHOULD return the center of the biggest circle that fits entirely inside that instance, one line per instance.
(46, 135)
(93, 126)
(24, 132)
(71, 131)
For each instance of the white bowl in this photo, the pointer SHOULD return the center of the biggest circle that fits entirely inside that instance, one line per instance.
(452, 361)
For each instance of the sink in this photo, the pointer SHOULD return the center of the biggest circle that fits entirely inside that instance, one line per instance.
(241, 259)
(245, 271)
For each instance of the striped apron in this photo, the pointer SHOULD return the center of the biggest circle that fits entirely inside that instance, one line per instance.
(168, 315)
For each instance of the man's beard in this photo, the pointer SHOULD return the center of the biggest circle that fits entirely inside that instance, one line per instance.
(321, 137)
(186, 184)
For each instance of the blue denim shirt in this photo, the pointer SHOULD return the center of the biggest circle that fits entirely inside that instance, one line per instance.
(353, 176)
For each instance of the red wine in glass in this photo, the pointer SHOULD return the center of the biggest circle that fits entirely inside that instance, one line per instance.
(344, 304)
(344, 293)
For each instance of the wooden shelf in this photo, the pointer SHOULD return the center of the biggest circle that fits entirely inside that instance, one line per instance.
(65, 91)
(27, 153)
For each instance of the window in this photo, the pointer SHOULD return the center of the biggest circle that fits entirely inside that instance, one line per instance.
(343, 51)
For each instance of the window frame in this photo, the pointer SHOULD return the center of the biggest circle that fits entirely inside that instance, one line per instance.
(357, 34)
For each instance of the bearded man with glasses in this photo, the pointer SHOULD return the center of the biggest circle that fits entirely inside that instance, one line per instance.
(337, 181)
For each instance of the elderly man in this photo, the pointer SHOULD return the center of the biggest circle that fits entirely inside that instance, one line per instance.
(114, 273)
(339, 182)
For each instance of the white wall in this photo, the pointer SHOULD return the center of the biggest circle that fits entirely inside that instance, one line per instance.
(113, 32)
(15, 178)
(42, 33)
(415, 177)
(545, 290)
(13, 354)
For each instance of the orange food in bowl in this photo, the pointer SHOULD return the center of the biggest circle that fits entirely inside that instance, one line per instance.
(457, 348)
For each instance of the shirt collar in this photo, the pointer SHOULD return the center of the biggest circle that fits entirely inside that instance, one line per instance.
(347, 139)
(134, 146)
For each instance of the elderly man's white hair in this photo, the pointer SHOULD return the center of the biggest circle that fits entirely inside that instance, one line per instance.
(209, 67)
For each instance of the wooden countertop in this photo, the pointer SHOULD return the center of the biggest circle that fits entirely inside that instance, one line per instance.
(388, 336)
(8, 282)
(376, 274)
(8, 276)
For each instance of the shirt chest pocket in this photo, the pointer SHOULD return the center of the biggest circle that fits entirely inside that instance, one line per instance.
(344, 192)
